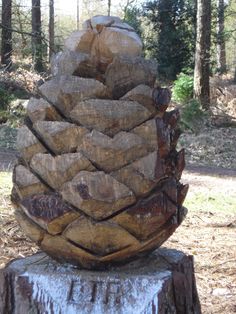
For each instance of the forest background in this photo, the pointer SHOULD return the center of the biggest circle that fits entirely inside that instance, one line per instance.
(32, 31)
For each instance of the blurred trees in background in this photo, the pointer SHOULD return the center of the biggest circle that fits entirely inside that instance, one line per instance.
(37, 44)
(230, 35)
(172, 39)
(51, 27)
(34, 30)
(6, 43)
(221, 53)
(202, 53)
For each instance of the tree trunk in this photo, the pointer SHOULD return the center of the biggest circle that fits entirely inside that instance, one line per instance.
(221, 55)
(78, 15)
(163, 282)
(109, 8)
(37, 52)
(202, 54)
(20, 22)
(6, 50)
(51, 28)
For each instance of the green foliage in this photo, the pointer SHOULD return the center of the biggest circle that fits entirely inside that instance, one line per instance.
(16, 112)
(191, 112)
(171, 40)
(13, 112)
(132, 17)
(65, 25)
(5, 98)
(8, 136)
(211, 202)
(230, 34)
(183, 88)
(192, 115)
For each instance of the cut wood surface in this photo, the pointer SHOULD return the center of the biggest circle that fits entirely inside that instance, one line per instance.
(28, 144)
(49, 211)
(100, 20)
(113, 41)
(61, 137)
(110, 154)
(104, 237)
(125, 73)
(97, 194)
(66, 91)
(163, 282)
(40, 109)
(109, 116)
(140, 176)
(26, 183)
(148, 132)
(64, 251)
(146, 218)
(101, 39)
(68, 62)
(32, 230)
(80, 41)
(60, 169)
(143, 95)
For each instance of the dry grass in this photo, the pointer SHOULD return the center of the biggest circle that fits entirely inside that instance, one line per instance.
(209, 234)
(212, 242)
(20, 79)
(211, 147)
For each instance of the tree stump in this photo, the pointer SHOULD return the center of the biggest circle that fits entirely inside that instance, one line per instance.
(162, 282)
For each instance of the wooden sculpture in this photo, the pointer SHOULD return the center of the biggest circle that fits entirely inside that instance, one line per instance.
(98, 178)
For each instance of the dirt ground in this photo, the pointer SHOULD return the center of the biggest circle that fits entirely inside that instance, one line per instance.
(209, 236)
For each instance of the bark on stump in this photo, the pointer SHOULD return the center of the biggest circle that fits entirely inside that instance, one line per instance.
(163, 282)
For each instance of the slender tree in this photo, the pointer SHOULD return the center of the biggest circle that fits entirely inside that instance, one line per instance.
(109, 8)
(78, 15)
(6, 50)
(202, 54)
(20, 20)
(221, 54)
(51, 28)
(37, 51)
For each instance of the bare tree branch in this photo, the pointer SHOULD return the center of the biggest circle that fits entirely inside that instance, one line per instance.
(25, 33)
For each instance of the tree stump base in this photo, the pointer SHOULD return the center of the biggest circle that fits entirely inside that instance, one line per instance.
(162, 282)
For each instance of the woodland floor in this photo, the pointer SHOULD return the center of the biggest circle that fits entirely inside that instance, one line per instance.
(207, 234)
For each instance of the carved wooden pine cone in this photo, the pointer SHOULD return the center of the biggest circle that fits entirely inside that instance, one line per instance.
(98, 178)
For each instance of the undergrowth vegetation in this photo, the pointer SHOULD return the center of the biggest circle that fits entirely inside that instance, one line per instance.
(192, 116)
(5, 98)
(211, 202)
(182, 90)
